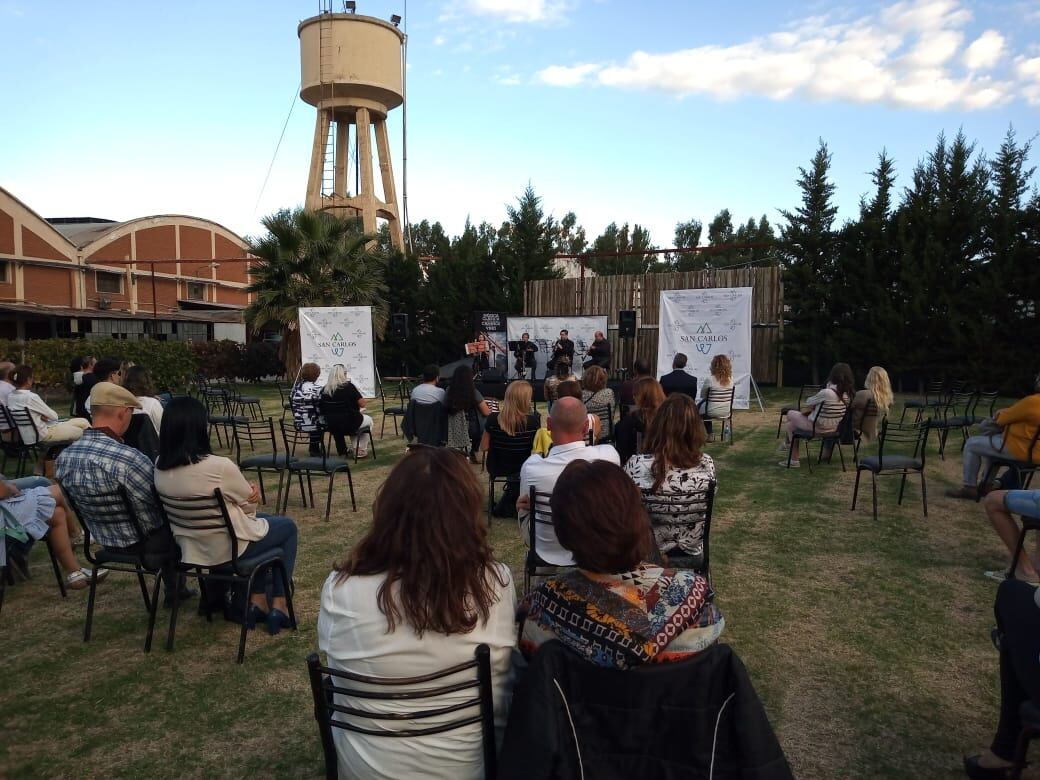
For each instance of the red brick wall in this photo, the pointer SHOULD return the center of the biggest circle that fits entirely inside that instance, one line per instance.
(231, 296)
(195, 243)
(49, 286)
(165, 289)
(230, 272)
(114, 250)
(34, 246)
(157, 243)
(6, 233)
(119, 300)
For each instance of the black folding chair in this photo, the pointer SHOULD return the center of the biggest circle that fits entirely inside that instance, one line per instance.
(825, 430)
(220, 411)
(688, 508)
(7, 575)
(605, 412)
(209, 513)
(912, 440)
(1023, 469)
(283, 396)
(30, 446)
(934, 398)
(870, 411)
(806, 391)
(109, 508)
(14, 445)
(259, 432)
(307, 465)
(363, 432)
(505, 456)
(394, 411)
(539, 513)
(336, 705)
(242, 403)
(958, 413)
(720, 396)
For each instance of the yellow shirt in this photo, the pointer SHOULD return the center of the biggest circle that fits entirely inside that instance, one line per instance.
(1020, 423)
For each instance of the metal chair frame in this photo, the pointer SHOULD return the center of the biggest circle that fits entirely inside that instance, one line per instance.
(806, 391)
(7, 578)
(717, 396)
(830, 411)
(870, 410)
(108, 508)
(255, 432)
(364, 429)
(216, 398)
(699, 503)
(294, 438)
(899, 434)
(393, 412)
(513, 450)
(209, 513)
(326, 684)
(957, 413)
(539, 513)
(1025, 469)
(934, 398)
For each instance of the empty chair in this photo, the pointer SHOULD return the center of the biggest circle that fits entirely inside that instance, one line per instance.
(256, 434)
(307, 465)
(901, 452)
(934, 397)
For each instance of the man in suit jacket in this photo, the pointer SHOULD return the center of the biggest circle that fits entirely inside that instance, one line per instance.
(678, 381)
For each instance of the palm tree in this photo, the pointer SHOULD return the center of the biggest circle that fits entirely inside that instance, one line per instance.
(312, 258)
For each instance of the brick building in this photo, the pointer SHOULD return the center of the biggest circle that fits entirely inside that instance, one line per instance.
(89, 277)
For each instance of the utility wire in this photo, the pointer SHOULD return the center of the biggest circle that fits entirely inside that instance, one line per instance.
(277, 146)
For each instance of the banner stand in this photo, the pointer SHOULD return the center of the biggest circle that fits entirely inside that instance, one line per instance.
(758, 395)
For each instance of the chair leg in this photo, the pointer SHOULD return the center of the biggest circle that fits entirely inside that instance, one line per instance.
(174, 607)
(328, 498)
(371, 445)
(278, 501)
(287, 587)
(144, 588)
(245, 629)
(491, 498)
(873, 488)
(57, 569)
(153, 609)
(350, 484)
(310, 488)
(902, 487)
(303, 493)
(841, 457)
(855, 490)
(90, 604)
(260, 479)
(924, 493)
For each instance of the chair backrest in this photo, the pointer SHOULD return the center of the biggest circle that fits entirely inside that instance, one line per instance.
(253, 432)
(869, 411)
(694, 506)
(717, 398)
(909, 439)
(216, 400)
(506, 454)
(297, 443)
(960, 403)
(539, 513)
(200, 513)
(23, 423)
(829, 418)
(427, 422)
(934, 390)
(328, 683)
(96, 510)
(807, 391)
(605, 412)
(988, 401)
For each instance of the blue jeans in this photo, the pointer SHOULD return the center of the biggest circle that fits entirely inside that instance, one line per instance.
(977, 452)
(281, 532)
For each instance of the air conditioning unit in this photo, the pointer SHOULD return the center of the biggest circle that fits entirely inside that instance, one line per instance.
(104, 303)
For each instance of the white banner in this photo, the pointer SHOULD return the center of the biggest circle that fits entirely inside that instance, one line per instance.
(702, 324)
(340, 335)
(545, 331)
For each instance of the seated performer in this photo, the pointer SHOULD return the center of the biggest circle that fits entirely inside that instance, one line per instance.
(563, 347)
(599, 352)
(525, 357)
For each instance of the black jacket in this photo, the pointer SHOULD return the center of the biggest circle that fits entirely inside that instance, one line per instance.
(665, 722)
(426, 422)
(678, 381)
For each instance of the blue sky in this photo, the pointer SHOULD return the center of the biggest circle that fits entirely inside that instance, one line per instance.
(641, 112)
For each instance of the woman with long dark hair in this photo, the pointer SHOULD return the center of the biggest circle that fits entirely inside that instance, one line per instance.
(463, 403)
(840, 386)
(416, 595)
(648, 396)
(187, 469)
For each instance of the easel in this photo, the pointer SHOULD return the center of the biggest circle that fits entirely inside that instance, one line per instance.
(758, 395)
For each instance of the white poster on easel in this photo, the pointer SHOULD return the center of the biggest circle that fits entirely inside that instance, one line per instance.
(340, 335)
(702, 324)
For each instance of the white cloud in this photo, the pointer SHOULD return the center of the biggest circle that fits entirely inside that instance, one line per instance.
(1029, 71)
(908, 54)
(511, 80)
(439, 40)
(515, 11)
(985, 51)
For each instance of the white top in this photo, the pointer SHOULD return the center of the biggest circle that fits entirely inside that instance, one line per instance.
(427, 393)
(352, 632)
(42, 415)
(6, 388)
(716, 408)
(825, 396)
(542, 473)
(153, 408)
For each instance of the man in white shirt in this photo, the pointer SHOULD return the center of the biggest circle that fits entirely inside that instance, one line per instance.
(569, 425)
(428, 392)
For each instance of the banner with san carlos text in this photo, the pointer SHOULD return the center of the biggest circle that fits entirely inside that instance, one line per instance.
(702, 324)
(340, 335)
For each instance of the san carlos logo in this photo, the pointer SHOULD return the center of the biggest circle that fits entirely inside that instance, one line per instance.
(336, 344)
(703, 339)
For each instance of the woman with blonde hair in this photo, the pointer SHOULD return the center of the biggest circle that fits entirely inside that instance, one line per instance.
(720, 378)
(673, 463)
(341, 404)
(514, 420)
(879, 390)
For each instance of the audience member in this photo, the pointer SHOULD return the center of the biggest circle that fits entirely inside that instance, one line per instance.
(417, 594)
(616, 610)
(514, 418)
(6, 388)
(595, 392)
(999, 504)
(187, 469)
(569, 425)
(124, 367)
(673, 464)
(679, 380)
(648, 397)
(571, 388)
(427, 391)
(877, 389)
(139, 383)
(341, 405)
(720, 377)
(105, 370)
(1017, 425)
(562, 373)
(626, 393)
(840, 386)
(1018, 628)
(304, 402)
(33, 508)
(464, 405)
(82, 381)
(100, 462)
(46, 424)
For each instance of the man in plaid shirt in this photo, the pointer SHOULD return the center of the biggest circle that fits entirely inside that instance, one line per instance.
(100, 463)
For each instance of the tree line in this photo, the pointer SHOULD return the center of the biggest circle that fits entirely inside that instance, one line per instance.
(938, 278)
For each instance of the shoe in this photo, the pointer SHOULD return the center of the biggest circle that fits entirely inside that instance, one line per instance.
(362, 454)
(794, 463)
(80, 579)
(973, 770)
(968, 492)
(255, 615)
(183, 595)
(276, 621)
(1001, 574)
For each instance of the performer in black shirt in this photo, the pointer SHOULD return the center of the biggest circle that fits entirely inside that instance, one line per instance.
(525, 357)
(599, 352)
(564, 347)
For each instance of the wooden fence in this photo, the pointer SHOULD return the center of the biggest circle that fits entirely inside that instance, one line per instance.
(642, 292)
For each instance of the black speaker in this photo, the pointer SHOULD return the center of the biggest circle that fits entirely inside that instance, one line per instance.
(399, 326)
(626, 320)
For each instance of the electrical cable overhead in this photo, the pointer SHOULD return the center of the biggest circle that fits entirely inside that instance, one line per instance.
(277, 146)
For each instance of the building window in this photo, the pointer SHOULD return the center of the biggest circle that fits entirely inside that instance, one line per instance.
(108, 283)
(196, 291)
(5, 277)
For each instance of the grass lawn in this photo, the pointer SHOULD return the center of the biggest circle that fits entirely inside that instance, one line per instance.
(868, 642)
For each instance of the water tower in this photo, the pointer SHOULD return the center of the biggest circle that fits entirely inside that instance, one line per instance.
(351, 71)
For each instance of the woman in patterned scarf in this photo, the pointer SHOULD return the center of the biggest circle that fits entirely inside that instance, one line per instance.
(616, 610)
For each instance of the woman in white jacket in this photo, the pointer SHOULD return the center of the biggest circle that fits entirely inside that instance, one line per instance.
(47, 425)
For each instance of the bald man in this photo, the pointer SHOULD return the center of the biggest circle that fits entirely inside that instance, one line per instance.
(569, 425)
